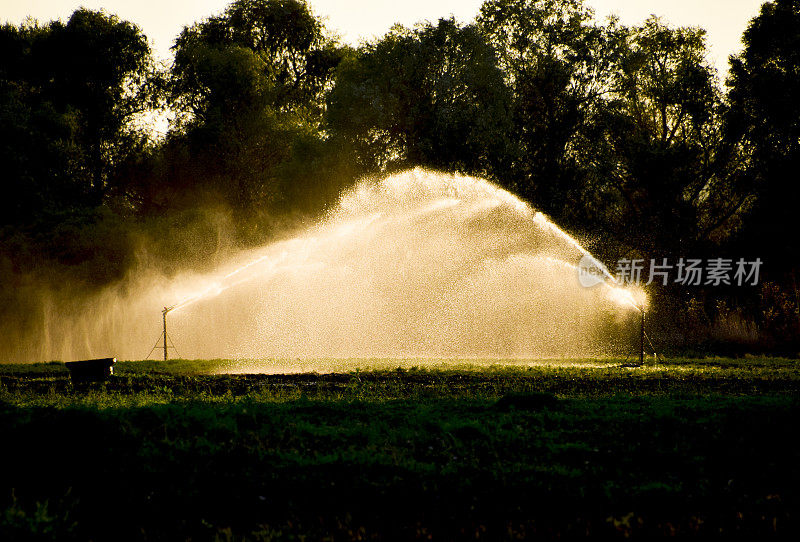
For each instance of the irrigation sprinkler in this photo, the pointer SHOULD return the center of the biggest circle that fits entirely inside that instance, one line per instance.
(641, 337)
(164, 314)
(163, 335)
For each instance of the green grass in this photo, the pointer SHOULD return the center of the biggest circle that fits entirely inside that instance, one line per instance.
(464, 450)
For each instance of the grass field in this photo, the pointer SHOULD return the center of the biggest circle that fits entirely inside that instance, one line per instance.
(442, 451)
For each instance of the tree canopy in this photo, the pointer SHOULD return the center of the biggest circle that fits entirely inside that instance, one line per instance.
(69, 93)
(620, 133)
(431, 96)
(764, 122)
(246, 86)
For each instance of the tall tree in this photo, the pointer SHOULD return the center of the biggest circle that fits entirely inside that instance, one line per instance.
(69, 96)
(257, 53)
(246, 84)
(430, 96)
(764, 120)
(557, 63)
(660, 178)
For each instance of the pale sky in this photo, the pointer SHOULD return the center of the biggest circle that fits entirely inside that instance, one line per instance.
(162, 20)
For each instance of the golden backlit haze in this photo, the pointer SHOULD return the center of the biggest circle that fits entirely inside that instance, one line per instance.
(416, 265)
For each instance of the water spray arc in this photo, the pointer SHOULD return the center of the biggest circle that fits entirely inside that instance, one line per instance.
(418, 264)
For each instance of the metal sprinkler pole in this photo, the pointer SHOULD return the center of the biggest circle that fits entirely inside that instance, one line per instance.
(164, 314)
(641, 339)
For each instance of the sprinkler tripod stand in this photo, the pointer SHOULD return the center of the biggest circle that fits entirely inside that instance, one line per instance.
(642, 337)
(163, 335)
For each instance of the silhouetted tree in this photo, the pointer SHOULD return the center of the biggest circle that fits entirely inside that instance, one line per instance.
(258, 53)
(69, 96)
(764, 121)
(557, 63)
(247, 84)
(430, 96)
(660, 177)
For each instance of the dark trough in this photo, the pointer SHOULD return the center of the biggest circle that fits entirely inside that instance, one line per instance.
(91, 370)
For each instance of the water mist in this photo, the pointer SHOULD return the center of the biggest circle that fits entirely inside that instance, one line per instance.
(418, 264)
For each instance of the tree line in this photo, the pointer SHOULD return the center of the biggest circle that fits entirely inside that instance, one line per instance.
(622, 134)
